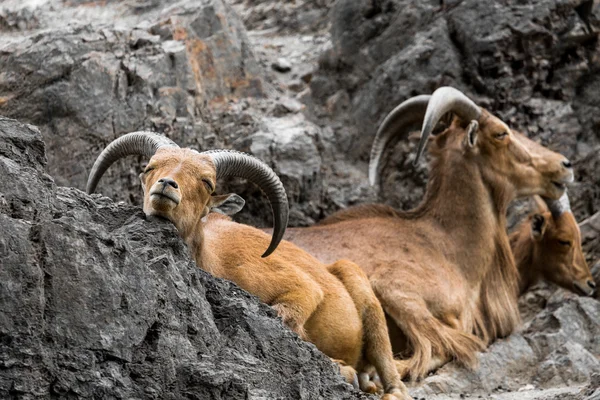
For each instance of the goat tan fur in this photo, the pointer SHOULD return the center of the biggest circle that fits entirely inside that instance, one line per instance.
(547, 245)
(444, 272)
(331, 305)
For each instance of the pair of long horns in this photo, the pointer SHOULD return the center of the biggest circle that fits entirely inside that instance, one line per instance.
(429, 109)
(227, 163)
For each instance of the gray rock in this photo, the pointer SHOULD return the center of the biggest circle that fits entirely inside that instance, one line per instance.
(557, 348)
(284, 16)
(288, 105)
(282, 65)
(86, 73)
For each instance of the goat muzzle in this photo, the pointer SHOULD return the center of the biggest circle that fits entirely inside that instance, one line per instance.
(164, 192)
(585, 287)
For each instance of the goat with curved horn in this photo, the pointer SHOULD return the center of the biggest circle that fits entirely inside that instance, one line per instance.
(234, 163)
(444, 271)
(227, 163)
(178, 185)
(132, 144)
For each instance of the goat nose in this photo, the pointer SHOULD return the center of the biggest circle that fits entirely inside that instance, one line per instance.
(168, 181)
(567, 164)
(591, 284)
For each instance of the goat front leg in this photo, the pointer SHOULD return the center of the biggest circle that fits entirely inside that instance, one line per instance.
(432, 342)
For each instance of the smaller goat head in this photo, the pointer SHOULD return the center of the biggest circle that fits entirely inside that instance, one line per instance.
(179, 183)
(478, 139)
(558, 256)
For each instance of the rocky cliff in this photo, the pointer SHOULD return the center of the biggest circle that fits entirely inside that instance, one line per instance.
(303, 86)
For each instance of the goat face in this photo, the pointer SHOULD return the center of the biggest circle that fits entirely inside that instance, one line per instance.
(178, 184)
(504, 154)
(557, 252)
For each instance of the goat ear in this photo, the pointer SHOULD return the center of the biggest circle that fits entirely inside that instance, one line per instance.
(227, 204)
(538, 226)
(471, 138)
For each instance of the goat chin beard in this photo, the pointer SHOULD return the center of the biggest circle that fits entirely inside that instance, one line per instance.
(160, 206)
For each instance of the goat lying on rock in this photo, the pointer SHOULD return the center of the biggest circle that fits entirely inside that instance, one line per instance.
(547, 245)
(444, 272)
(332, 306)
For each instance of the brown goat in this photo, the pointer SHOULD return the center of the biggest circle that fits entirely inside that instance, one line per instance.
(332, 305)
(547, 245)
(444, 272)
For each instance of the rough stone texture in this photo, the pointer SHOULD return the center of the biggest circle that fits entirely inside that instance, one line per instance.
(183, 68)
(189, 70)
(556, 347)
(87, 72)
(304, 16)
(98, 302)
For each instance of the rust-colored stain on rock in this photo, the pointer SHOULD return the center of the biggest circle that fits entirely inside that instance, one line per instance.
(4, 100)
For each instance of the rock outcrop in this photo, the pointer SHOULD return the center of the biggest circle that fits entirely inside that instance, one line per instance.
(140, 320)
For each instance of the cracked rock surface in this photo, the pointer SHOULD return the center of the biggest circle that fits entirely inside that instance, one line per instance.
(86, 72)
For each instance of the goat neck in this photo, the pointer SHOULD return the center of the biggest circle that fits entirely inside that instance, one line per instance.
(523, 249)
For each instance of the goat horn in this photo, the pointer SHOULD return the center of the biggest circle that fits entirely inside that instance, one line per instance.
(134, 143)
(443, 100)
(234, 163)
(557, 207)
(401, 118)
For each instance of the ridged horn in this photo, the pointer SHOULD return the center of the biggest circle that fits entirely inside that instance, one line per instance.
(134, 143)
(235, 163)
(557, 207)
(409, 113)
(443, 100)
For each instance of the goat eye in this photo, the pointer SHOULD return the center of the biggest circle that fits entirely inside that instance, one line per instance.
(501, 135)
(148, 170)
(564, 242)
(208, 185)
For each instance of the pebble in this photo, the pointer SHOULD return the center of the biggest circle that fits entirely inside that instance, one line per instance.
(282, 65)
